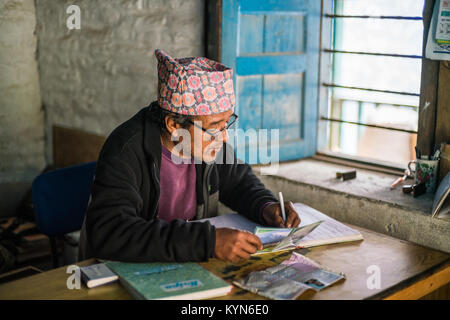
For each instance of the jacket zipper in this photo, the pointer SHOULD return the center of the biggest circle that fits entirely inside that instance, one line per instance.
(156, 187)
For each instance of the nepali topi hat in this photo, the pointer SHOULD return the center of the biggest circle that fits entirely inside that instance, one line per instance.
(194, 85)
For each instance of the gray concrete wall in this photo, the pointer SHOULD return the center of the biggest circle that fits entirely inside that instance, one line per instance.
(91, 79)
(97, 77)
(21, 115)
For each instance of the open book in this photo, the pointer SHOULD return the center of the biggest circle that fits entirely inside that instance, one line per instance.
(279, 239)
(319, 229)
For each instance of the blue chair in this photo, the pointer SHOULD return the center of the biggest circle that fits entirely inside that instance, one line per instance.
(60, 200)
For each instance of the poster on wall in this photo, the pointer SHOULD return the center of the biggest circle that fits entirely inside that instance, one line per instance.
(438, 48)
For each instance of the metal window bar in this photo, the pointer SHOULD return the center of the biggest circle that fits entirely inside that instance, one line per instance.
(333, 85)
(379, 103)
(367, 125)
(339, 16)
(336, 121)
(375, 54)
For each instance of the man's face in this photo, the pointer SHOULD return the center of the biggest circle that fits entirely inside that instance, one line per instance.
(203, 145)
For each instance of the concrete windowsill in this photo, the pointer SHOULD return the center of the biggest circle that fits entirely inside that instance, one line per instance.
(367, 201)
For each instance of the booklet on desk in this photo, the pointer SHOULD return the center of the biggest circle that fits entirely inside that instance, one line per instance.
(168, 281)
(290, 279)
(441, 203)
(322, 229)
(97, 275)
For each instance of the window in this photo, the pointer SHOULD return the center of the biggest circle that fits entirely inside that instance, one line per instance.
(370, 79)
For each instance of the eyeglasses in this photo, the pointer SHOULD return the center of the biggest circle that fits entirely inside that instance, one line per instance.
(214, 132)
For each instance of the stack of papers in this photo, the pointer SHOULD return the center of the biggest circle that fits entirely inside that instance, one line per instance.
(290, 279)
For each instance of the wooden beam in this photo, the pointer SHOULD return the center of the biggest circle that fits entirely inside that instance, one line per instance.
(443, 104)
(213, 34)
(443, 293)
(425, 286)
(428, 91)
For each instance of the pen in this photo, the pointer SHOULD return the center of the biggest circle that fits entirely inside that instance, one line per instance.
(399, 180)
(436, 155)
(283, 213)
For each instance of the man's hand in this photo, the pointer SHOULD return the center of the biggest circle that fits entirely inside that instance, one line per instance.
(235, 245)
(273, 217)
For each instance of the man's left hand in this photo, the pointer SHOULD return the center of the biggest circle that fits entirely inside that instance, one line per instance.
(273, 217)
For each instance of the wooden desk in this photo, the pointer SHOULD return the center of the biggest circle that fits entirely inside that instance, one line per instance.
(408, 271)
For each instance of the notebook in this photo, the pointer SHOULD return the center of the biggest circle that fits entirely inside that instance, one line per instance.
(168, 281)
(329, 230)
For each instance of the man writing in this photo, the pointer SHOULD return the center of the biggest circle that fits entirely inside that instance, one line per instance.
(148, 192)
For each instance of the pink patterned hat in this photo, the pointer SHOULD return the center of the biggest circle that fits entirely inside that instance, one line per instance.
(194, 86)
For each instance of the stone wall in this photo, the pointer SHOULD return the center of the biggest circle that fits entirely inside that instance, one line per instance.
(91, 79)
(99, 76)
(21, 115)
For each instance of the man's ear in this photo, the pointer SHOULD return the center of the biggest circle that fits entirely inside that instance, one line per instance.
(171, 125)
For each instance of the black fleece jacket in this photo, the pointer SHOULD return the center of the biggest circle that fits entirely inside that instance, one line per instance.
(121, 221)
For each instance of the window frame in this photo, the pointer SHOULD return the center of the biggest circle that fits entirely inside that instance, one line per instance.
(427, 126)
(425, 134)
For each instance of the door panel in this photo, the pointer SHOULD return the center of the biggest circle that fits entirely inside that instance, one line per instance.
(273, 46)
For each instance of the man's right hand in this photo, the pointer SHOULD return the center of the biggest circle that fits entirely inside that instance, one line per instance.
(234, 245)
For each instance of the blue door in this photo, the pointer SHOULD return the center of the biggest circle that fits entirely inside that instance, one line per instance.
(273, 47)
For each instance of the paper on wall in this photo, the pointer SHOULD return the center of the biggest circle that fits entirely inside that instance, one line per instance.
(434, 50)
